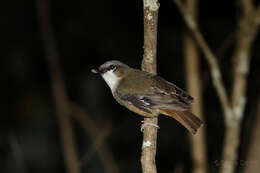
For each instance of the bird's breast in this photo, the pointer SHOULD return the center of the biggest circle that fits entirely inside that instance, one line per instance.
(111, 79)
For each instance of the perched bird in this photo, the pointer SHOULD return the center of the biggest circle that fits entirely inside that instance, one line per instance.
(147, 94)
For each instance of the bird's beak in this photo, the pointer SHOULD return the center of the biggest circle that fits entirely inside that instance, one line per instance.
(94, 70)
(97, 70)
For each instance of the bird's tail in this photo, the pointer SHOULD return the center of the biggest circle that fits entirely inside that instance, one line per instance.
(186, 118)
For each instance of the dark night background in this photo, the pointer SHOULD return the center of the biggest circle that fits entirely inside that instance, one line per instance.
(88, 33)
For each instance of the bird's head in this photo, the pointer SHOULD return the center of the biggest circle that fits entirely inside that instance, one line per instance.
(112, 72)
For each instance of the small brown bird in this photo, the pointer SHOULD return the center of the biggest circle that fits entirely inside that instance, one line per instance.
(148, 94)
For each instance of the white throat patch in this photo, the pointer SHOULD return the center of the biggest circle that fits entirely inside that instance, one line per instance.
(111, 79)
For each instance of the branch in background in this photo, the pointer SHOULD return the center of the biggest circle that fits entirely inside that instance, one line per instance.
(211, 58)
(98, 142)
(247, 30)
(225, 45)
(248, 26)
(58, 88)
(253, 157)
(245, 35)
(151, 8)
(246, 7)
(90, 128)
(198, 147)
(18, 153)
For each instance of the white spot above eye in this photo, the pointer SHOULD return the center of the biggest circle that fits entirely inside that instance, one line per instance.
(111, 79)
(146, 144)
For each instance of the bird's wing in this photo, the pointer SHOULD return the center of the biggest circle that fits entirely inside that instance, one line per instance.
(164, 87)
(160, 94)
(139, 101)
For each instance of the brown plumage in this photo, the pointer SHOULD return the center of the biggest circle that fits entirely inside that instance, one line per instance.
(148, 94)
(186, 118)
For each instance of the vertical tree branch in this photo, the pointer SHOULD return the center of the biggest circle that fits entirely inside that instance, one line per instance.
(151, 8)
(233, 110)
(247, 29)
(253, 157)
(58, 88)
(211, 59)
(194, 87)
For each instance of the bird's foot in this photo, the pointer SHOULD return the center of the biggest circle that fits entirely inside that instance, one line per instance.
(147, 123)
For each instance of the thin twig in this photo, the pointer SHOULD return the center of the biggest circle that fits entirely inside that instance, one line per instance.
(58, 88)
(99, 141)
(18, 153)
(90, 127)
(226, 44)
(151, 8)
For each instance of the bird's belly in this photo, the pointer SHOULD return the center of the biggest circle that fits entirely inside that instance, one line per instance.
(141, 112)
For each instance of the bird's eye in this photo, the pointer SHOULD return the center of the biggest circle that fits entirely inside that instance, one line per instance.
(112, 67)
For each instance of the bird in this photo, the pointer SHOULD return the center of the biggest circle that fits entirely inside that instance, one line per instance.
(148, 94)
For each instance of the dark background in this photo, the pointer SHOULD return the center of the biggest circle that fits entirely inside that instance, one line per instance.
(88, 33)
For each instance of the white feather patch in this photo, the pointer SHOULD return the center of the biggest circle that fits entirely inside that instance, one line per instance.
(146, 103)
(111, 79)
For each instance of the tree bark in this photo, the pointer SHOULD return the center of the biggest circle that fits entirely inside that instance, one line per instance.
(150, 8)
